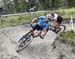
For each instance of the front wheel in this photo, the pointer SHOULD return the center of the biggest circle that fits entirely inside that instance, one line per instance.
(23, 43)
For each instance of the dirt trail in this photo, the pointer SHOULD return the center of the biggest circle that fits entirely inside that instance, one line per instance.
(11, 35)
(38, 49)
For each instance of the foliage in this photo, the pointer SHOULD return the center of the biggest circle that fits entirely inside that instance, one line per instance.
(22, 19)
(69, 35)
(17, 20)
(66, 13)
(19, 6)
(71, 3)
(58, 3)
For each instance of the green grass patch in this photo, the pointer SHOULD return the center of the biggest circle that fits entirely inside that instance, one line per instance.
(69, 35)
(23, 19)
(67, 13)
(11, 21)
(17, 20)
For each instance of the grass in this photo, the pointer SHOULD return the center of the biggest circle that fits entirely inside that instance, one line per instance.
(14, 20)
(23, 19)
(69, 35)
(17, 20)
(67, 13)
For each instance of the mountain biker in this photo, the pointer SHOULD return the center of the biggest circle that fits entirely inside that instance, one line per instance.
(42, 23)
(57, 19)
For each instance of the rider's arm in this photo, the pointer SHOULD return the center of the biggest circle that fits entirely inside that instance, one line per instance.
(35, 20)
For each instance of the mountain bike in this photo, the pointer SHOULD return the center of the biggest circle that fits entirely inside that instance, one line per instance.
(57, 30)
(26, 40)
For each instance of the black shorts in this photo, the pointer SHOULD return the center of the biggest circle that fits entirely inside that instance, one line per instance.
(37, 27)
(59, 19)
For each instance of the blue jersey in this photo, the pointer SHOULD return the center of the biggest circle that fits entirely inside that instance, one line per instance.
(43, 23)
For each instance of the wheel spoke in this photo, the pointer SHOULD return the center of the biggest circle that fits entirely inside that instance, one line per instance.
(24, 43)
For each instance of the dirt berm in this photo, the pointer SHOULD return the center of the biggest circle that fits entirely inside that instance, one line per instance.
(38, 49)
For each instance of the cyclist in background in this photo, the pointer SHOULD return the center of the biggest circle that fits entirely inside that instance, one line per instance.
(57, 19)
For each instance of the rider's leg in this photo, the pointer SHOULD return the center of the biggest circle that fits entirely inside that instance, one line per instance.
(53, 27)
(58, 27)
(32, 29)
(37, 27)
(29, 31)
(54, 24)
(39, 33)
(45, 30)
(43, 34)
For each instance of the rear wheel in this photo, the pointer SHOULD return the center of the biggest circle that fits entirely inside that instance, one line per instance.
(23, 43)
(63, 28)
(56, 30)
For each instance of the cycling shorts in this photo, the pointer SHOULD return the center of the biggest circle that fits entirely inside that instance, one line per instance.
(38, 27)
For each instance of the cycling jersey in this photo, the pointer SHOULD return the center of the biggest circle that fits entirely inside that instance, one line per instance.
(54, 17)
(41, 23)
